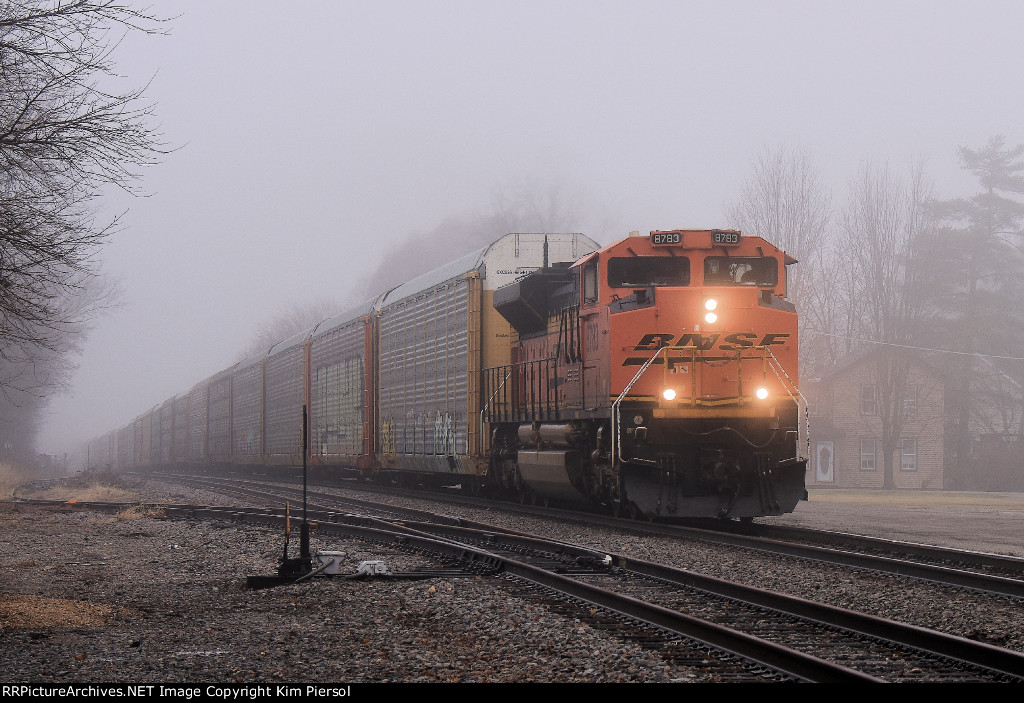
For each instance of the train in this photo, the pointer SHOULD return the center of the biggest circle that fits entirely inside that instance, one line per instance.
(655, 377)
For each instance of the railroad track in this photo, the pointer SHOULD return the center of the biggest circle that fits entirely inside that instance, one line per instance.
(772, 636)
(874, 646)
(985, 573)
(982, 562)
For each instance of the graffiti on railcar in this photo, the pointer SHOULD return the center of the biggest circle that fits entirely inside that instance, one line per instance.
(444, 434)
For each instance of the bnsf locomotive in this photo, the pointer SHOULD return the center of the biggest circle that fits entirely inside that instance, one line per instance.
(656, 376)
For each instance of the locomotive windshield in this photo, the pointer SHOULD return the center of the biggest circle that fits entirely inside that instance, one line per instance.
(741, 271)
(643, 271)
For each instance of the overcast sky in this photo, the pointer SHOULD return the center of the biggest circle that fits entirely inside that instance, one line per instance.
(313, 135)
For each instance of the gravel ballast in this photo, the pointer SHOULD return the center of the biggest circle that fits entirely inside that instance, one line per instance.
(87, 596)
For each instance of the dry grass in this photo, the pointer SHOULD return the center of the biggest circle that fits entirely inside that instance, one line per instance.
(98, 493)
(10, 478)
(140, 511)
(91, 486)
(40, 611)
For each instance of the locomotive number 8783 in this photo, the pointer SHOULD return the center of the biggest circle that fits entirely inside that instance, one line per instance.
(657, 375)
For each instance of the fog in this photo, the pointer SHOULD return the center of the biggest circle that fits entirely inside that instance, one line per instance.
(311, 137)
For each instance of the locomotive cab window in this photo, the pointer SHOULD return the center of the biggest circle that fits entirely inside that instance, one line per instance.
(590, 282)
(644, 271)
(741, 271)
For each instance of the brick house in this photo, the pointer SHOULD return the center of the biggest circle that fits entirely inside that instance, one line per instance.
(846, 429)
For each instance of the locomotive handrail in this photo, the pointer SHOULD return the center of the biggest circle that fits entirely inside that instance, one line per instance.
(615, 405)
(807, 418)
(533, 389)
(487, 405)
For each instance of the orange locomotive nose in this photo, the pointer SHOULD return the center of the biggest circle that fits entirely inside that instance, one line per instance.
(702, 361)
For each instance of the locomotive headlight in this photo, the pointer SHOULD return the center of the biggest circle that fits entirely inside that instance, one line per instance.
(710, 304)
(761, 392)
(668, 394)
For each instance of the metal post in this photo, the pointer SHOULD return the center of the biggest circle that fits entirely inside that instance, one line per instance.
(304, 530)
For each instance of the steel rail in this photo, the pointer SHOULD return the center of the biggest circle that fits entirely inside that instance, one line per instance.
(1008, 663)
(759, 652)
(981, 560)
(942, 575)
(1003, 661)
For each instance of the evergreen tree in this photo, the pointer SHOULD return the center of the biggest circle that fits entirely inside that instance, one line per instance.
(973, 277)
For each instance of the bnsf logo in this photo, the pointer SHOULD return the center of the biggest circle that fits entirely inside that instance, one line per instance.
(727, 343)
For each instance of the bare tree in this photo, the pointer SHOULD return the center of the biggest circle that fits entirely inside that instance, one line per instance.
(63, 137)
(880, 242)
(523, 206)
(526, 205)
(786, 202)
(290, 322)
(826, 326)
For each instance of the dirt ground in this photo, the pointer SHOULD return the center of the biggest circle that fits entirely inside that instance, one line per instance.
(988, 522)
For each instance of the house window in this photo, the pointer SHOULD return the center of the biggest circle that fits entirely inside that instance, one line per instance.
(867, 400)
(908, 454)
(910, 401)
(867, 454)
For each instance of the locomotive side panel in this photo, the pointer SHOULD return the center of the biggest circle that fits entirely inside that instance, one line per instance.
(596, 352)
